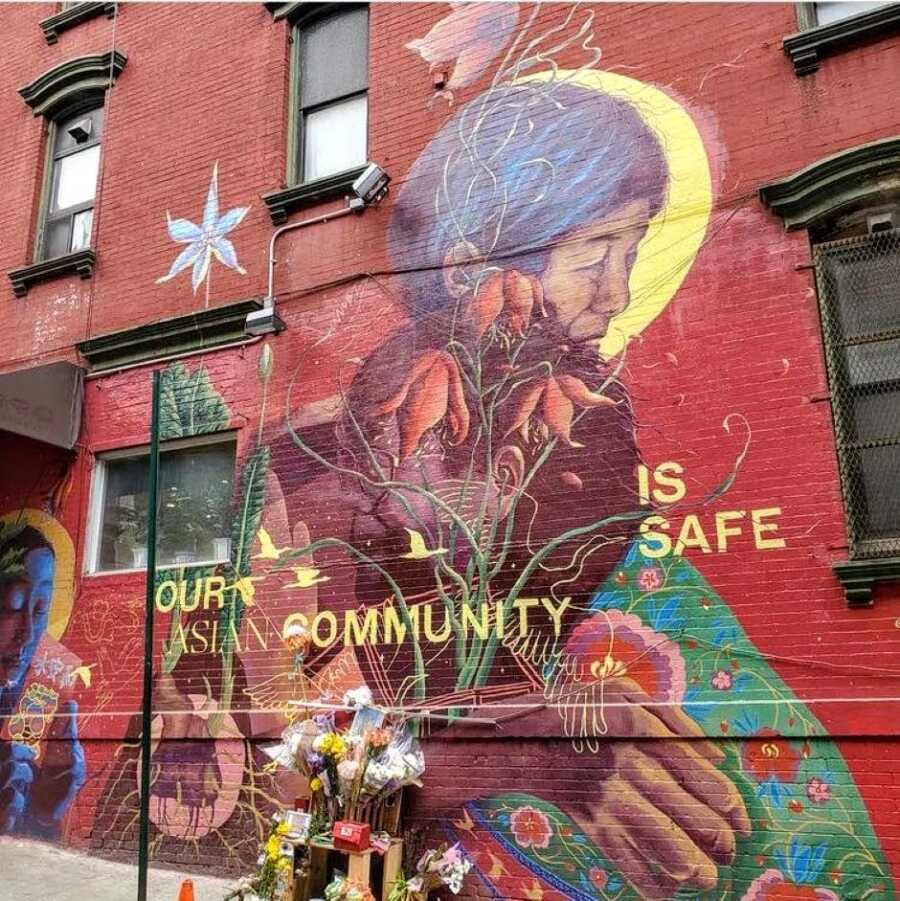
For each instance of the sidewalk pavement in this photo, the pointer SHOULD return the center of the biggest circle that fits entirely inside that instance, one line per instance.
(33, 871)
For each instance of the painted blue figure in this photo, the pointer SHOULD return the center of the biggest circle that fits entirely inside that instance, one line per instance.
(42, 764)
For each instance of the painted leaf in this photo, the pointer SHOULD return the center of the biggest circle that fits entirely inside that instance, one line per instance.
(189, 405)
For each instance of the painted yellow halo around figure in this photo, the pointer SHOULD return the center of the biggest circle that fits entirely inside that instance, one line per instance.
(675, 234)
(64, 569)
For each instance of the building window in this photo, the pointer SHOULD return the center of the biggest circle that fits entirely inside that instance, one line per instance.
(331, 93)
(72, 183)
(857, 280)
(835, 11)
(196, 482)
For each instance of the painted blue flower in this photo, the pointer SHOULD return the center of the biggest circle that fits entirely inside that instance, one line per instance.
(206, 240)
(663, 615)
(747, 723)
(776, 792)
(801, 862)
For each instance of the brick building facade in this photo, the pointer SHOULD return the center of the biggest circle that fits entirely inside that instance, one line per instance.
(587, 428)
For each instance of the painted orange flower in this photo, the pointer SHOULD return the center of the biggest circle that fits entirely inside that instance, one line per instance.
(432, 391)
(508, 293)
(553, 399)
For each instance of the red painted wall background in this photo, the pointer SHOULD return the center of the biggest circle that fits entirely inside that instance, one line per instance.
(741, 336)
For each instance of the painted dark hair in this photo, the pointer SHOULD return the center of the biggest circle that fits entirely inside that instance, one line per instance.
(515, 170)
(17, 548)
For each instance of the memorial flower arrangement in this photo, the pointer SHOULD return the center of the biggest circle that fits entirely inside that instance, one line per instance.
(273, 873)
(344, 889)
(348, 768)
(443, 866)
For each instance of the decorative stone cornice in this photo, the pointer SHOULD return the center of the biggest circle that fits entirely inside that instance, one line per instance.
(832, 183)
(195, 331)
(71, 80)
(859, 577)
(806, 48)
(53, 25)
(80, 263)
(282, 203)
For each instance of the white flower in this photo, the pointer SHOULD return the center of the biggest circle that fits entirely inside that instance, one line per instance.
(206, 240)
(358, 697)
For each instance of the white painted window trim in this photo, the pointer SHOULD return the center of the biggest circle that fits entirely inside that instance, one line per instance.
(98, 495)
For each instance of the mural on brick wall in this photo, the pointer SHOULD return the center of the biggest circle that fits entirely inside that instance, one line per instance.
(466, 524)
(42, 765)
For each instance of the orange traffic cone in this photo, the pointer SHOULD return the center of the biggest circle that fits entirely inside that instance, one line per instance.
(187, 891)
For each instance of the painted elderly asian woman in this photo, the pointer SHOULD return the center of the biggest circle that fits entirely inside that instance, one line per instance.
(487, 458)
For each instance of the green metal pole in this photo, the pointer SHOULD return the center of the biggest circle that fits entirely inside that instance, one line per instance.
(147, 705)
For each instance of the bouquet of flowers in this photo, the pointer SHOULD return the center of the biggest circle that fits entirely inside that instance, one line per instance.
(272, 878)
(444, 866)
(343, 889)
(395, 760)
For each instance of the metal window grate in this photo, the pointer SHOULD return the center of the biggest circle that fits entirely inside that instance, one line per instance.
(859, 295)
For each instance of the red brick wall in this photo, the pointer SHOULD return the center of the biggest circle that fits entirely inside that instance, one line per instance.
(740, 344)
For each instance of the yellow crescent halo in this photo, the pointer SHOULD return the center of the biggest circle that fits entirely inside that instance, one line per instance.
(675, 234)
(64, 570)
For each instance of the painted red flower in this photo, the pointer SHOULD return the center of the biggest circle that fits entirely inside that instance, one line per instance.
(721, 680)
(613, 643)
(530, 827)
(598, 878)
(766, 756)
(553, 400)
(774, 886)
(818, 791)
(510, 295)
(431, 392)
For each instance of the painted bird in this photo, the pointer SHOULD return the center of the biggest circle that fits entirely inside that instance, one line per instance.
(417, 549)
(84, 673)
(306, 577)
(267, 549)
(244, 585)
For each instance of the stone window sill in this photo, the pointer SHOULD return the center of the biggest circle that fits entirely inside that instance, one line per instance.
(282, 203)
(807, 48)
(192, 332)
(80, 263)
(53, 25)
(858, 577)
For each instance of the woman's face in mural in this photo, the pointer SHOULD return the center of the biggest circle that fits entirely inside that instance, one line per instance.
(24, 608)
(586, 279)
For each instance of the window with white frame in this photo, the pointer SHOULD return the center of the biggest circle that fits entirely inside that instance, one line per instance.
(331, 70)
(196, 483)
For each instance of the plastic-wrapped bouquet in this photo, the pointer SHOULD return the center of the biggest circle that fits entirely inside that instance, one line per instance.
(444, 866)
(343, 889)
(399, 762)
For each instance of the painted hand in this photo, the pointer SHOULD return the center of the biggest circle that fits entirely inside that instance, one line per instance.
(61, 775)
(16, 777)
(654, 800)
(664, 813)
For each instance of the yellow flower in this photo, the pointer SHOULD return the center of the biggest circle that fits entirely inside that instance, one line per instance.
(283, 864)
(282, 829)
(272, 847)
(315, 783)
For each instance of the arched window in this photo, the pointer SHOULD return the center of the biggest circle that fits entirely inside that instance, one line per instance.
(70, 97)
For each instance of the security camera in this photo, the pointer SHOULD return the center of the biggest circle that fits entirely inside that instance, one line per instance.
(264, 321)
(372, 185)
